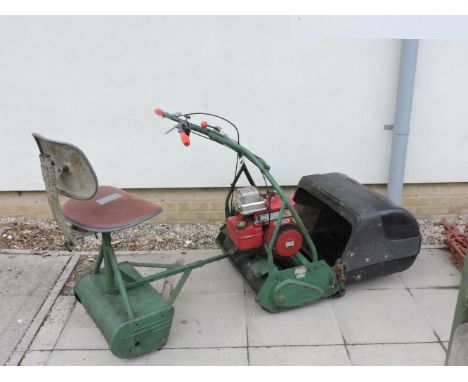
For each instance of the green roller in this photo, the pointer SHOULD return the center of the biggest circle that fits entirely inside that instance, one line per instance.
(127, 337)
(131, 315)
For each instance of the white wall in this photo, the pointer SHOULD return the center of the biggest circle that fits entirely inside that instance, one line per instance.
(306, 105)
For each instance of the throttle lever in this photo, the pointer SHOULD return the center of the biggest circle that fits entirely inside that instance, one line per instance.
(183, 127)
(184, 133)
(173, 128)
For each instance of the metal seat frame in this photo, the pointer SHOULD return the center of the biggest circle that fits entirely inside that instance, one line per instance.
(116, 278)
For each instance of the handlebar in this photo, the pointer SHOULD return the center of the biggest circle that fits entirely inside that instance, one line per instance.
(214, 133)
(184, 127)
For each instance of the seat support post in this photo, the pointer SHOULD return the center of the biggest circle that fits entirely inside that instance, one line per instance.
(98, 261)
(113, 273)
(108, 271)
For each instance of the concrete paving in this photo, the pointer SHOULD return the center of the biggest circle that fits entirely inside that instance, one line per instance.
(25, 283)
(402, 319)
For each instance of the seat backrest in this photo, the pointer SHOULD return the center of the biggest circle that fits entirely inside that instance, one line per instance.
(74, 175)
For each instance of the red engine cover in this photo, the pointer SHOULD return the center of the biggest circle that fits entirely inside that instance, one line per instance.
(249, 237)
(289, 240)
(273, 205)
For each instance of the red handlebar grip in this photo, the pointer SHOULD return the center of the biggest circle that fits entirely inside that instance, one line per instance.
(185, 138)
(159, 112)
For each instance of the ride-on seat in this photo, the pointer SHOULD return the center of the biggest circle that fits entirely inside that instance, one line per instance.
(91, 208)
(110, 209)
(134, 319)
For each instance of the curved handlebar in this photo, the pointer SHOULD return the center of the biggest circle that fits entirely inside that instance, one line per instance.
(184, 131)
(185, 127)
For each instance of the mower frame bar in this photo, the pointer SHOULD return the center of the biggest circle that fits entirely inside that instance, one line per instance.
(264, 168)
(115, 282)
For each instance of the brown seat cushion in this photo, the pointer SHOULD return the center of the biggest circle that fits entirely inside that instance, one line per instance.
(111, 209)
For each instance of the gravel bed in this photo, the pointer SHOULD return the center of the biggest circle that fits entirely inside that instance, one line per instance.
(43, 234)
(431, 230)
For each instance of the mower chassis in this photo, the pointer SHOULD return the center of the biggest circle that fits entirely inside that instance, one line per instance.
(278, 289)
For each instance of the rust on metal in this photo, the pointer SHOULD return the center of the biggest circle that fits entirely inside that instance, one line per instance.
(456, 240)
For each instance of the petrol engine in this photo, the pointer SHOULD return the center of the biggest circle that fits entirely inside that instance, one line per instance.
(255, 219)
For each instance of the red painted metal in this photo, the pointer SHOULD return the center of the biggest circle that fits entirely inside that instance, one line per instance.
(185, 138)
(274, 202)
(250, 237)
(456, 240)
(252, 231)
(289, 240)
(273, 205)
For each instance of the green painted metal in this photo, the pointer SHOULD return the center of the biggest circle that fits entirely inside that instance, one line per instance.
(127, 337)
(173, 270)
(135, 319)
(113, 273)
(132, 316)
(224, 140)
(457, 353)
(305, 281)
(293, 287)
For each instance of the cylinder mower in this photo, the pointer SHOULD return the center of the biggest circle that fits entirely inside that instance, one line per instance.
(291, 251)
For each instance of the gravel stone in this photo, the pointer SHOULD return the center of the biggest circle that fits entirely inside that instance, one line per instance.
(43, 234)
(431, 230)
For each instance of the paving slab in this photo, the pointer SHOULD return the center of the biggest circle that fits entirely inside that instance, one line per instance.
(90, 358)
(299, 356)
(314, 324)
(381, 316)
(433, 268)
(200, 320)
(164, 357)
(25, 282)
(393, 281)
(216, 318)
(439, 308)
(208, 320)
(217, 277)
(80, 332)
(198, 357)
(50, 331)
(35, 358)
(422, 354)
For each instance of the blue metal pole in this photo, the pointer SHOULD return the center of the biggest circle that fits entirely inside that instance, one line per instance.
(401, 128)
